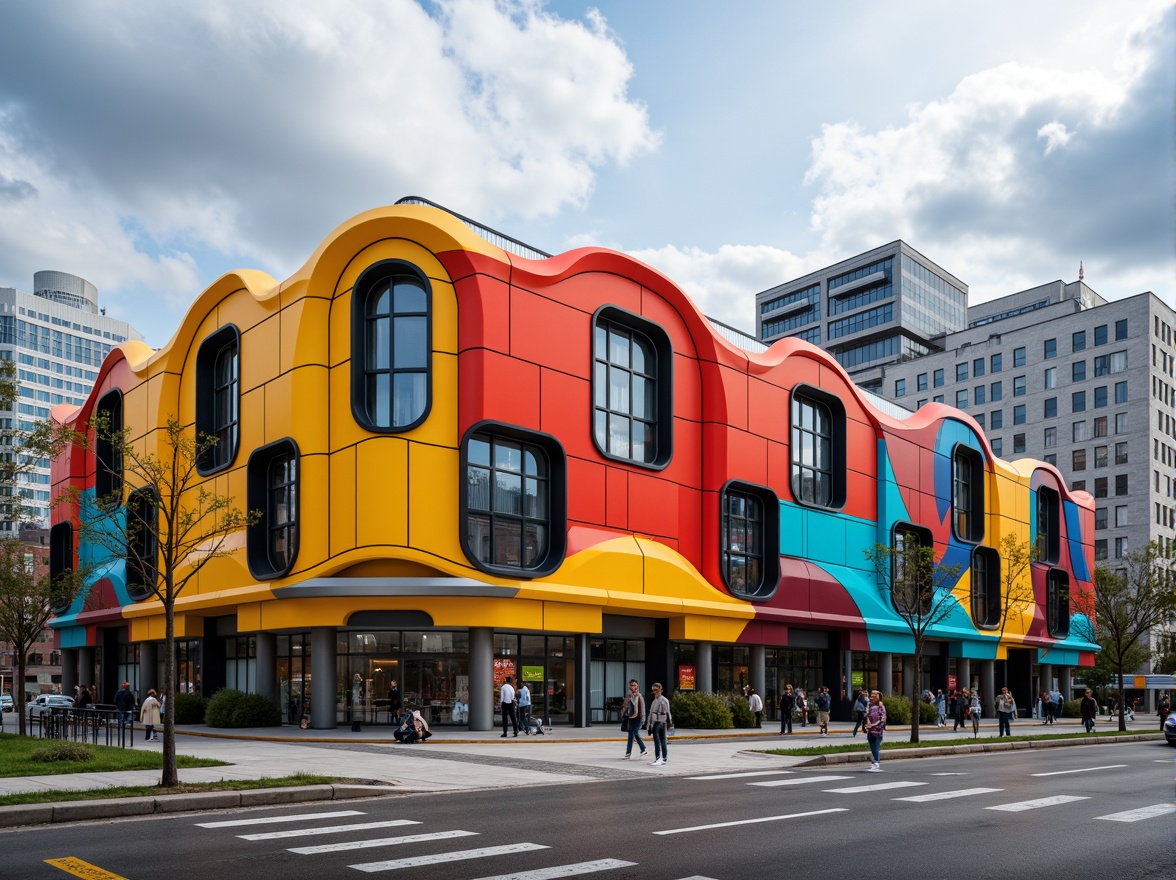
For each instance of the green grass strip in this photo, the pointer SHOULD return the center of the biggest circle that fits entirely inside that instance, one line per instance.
(92, 794)
(16, 758)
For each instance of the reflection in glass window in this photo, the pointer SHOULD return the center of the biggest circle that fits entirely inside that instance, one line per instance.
(625, 392)
(508, 520)
(812, 451)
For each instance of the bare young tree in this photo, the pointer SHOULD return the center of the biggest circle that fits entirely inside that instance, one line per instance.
(920, 592)
(28, 595)
(167, 522)
(1128, 606)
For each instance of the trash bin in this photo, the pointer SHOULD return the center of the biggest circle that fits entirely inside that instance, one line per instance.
(355, 728)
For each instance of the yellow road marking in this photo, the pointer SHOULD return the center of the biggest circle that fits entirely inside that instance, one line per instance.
(79, 868)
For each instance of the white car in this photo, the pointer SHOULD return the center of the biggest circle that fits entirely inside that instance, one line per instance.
(46, 701)
(6, 702)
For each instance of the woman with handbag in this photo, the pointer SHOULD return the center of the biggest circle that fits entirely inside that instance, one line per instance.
(660, 720)
(633, 713)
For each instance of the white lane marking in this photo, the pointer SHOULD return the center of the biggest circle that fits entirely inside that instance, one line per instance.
(800, 780)
(947, 795)
(564, 870)
(1140, 814)
(270, 820)
(881, 786)
(380, 841)
(458, 856)
(749, 821)
(741, 775)
(1079, 770)
(1021, 806)
(949, 774)
(331, 829)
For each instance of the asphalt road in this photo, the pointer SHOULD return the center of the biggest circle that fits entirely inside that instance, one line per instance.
(1085, 812)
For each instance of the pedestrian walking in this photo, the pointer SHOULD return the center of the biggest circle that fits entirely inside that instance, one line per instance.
(507, 696)
(660, 721)
(875, 727)
(633, 715)
(1089, 709)
(786, 707)
(124, 701)
(963, 711)
(861, 704)
(394, 700)
(1047, 711)
(1165, 708)
(754, 702)
(1006, 708)
(524, 701)
(824, 703)
(802, 706)
(940, 709)
(975, 709)
(149, 715)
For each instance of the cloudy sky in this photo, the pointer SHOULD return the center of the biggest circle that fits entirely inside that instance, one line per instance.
(152, 146)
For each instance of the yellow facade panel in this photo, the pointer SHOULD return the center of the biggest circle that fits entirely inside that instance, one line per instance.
(618, 564)
(695, 628)
(380, 491)
(393, 249)
(314, 499)
(245, 311)
(280, 405)
(345, 431)
(249, 617)
(260, 349)
(562, 617)
(433, 491)
(440, 428)
(163, 388)
(306, 410)
(339, 329)
(303, 340)
(343, 491)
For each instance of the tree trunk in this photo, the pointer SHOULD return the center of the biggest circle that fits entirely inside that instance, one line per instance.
(1122, 714)
(18, 688)
(915, 692)
(171, 775)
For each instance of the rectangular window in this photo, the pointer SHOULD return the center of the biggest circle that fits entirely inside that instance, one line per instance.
(1121, 452)
(1018, 444)
(1051, 438)
(995, 363)
(997, 447)
(1078, 434)
(1100, 548)
(1100, 426)
(1051, 407)
(749, 529)
(1078, 341)
(1100, 519)
(1100, 396)
(1051, 378)
(968, 494)
(1120, 484)
(900, 387)
(937, 378)
(978, 368)
(1051, 348)
(1121, 329)
(1120, 515)
(997, 420)
(1018, 386)
(1019, 357)
(979, 420)
(1079, 460)
(1100, 456)
(1100, 334)
(997, 390)
(1102, 365)
(962, 399)
(1100, 487)
(962, 372)
(979, 395)
(1121, 423)
(1120, 548)
(629, 391)
(1051, 458)
(1078, 371)
(1120, 392)
(1118, 361)
(1019, 414)
(1078, 401)
(818, 450)
(1078, 486)
(921, 381)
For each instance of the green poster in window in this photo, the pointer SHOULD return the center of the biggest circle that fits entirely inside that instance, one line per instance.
(532, 673)
(859, 680)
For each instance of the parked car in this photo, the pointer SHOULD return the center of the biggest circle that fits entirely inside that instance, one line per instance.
(6, 702)
(46, 701)
(1170, 729)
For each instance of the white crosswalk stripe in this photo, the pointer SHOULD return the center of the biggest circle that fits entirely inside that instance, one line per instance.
(380, 841)
(457, 856)
(1079, 770)
(800, 780)
(881, 786)
(1140, 814)
(749, 821)
(330, 829)
(273, 820)
(741, 775)
(947, 795)
(1038, 803)
(576, 870)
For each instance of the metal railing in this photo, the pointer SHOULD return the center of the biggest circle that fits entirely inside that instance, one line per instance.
(97, 726)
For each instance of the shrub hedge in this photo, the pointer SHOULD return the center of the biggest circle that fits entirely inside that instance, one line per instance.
(233, 708)
(700, 711)
(190, 708)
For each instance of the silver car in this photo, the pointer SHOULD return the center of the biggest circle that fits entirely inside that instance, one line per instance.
(46, 701)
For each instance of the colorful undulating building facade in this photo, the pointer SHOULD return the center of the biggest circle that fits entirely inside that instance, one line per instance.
(468, 464)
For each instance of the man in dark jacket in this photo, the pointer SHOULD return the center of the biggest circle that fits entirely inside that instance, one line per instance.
(124, 701)
(1089, 710)
(787, 705)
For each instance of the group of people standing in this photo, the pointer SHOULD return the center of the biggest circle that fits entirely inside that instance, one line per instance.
(516, 708)
(658, 722)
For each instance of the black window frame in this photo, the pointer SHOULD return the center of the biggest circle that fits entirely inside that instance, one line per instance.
(62, 559)
(1078, 340)
(769, 543)
(260, 490)
(967, 494)
(836, 471)
(209, 387)
(557, 497)
(1057, 603)
(663, 387)
(1047, 538)
(1049, 349)
(142, 553)
(1019, 356)
(925, 539)
(367, 286)
(108, 463)
(986, 598)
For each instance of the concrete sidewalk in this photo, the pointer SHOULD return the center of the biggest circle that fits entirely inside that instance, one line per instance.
(459, 759)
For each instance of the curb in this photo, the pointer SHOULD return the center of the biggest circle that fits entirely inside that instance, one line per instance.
(114, 808)
(974, 749)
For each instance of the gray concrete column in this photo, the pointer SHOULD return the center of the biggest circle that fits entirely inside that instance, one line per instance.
(756, 673)
(69, 671)
(703, 673)
(583, 673)
(1045, 677)
(964, 672)
(886, 673)
(482, 678)
(1063, 674)
(148, 668)
(86, 674)
(988, 687)
(324, 696)
(267, 665)
(908, 676)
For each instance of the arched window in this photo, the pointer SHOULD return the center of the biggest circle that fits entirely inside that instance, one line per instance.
(142, 559)
(61, 561)
(1057, 603)
(108, 443)
(986, 597)
(1047, 542)
(218, 392)
(391, 347)
(272, 541)
(750, 532)
(818, 448)
(967, 494)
